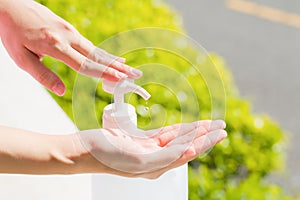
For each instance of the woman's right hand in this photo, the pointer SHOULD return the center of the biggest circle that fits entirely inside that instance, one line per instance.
(146, 154)
(153, 152)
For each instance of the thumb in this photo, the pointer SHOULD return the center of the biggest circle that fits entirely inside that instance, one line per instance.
(31, 63)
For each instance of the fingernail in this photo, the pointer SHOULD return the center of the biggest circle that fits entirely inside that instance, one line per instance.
(217, 124)
(191, 151)
(121, 59)
(223, 134)
(135, 72)
(121, 76)
(59, 89)
(223, 124)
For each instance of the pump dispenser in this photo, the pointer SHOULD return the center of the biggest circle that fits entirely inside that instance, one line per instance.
(119, 114)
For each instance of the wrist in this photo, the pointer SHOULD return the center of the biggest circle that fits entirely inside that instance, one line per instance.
(83, 161)
(68, 152)
(75, 157)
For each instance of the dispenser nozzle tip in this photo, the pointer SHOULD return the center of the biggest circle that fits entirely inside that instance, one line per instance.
(142, 92)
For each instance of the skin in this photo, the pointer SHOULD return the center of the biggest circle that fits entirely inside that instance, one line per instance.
(38, 32)
(33, 153)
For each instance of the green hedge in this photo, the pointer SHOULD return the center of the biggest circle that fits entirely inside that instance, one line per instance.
(236, 168)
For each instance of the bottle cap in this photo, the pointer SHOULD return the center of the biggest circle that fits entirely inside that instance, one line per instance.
(120, 114)
(119, 89)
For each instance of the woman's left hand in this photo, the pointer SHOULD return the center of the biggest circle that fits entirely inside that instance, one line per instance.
(30, 31)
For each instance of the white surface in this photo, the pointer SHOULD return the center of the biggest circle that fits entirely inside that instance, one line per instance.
(25, 104)
(171, 186)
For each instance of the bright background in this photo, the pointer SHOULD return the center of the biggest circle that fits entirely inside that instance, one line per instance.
(261, 51)
(259, 39)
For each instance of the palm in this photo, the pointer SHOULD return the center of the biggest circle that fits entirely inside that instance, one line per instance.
(146, 151)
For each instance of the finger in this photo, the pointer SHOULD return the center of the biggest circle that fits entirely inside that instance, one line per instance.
(98, 54)
(157, 132)
(174, 150)
(163, 158)
(31, 63)
(178, 130)
(81, 64)
(186, 138)
(210, 125)
(95, 69)
(217, 124)
(200, 127)
(121, 59)
(107, 59)
(203, 143)
(86, 48)
(207, 141)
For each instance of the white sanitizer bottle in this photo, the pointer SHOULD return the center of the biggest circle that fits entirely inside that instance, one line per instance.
(172, 185)
(120, 114)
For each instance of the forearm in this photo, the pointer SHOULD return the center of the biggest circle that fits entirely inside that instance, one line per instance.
(25, 152)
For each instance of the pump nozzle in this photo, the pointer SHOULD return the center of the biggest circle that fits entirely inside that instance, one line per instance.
(119, 89)
(131, 87)
(121, 115)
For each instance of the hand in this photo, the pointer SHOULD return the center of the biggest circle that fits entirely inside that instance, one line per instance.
(29, 31)
(110, 151)
(155, 151)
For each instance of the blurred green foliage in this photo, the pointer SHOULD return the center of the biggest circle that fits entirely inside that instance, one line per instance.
(236, 168)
